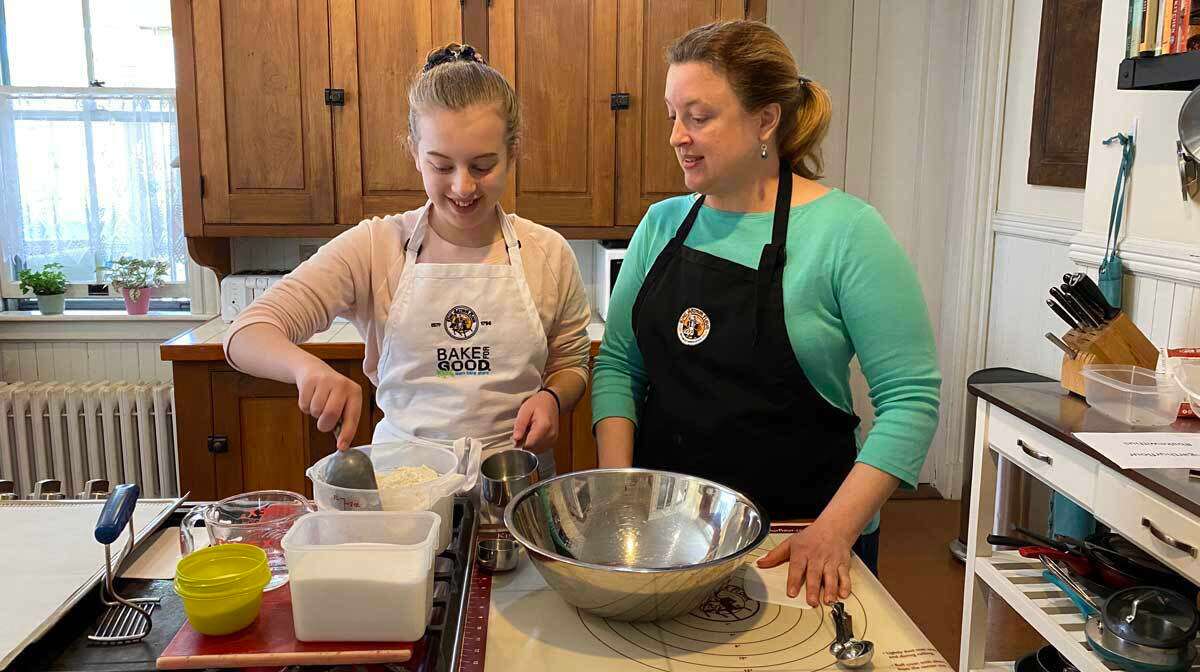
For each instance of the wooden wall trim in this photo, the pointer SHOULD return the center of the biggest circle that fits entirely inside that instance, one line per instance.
(1062, 96)
(188, 124)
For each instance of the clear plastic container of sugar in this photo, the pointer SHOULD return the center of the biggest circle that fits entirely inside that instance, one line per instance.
(364, 576)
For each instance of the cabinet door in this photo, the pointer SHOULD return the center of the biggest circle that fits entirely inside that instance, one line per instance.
(378, 46)
(266, 147)
(271, 442)
(647, 170)
(561, 57)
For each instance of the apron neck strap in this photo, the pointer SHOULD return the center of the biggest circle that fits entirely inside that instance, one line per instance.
(783, 204)
(686, 227)
(413, 246)
(773, 253)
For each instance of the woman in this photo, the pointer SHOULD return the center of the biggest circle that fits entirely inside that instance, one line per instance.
(733, 321)
(474, 320)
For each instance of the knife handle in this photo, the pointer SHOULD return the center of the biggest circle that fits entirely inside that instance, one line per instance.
(1068, 304)
(1058, 310)
(1061, 345)
(1095, 313)
(1087, 287)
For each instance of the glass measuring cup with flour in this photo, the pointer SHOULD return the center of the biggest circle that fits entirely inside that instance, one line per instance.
(258, 518)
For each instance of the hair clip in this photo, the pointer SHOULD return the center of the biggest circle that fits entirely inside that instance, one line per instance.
(804, 81)
(439, 57)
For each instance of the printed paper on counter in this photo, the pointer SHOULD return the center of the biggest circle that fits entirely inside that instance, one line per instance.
(1146, 450)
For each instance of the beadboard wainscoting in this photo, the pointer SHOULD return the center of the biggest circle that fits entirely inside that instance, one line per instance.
(75, 362)
(1161, 290)
(88, 347)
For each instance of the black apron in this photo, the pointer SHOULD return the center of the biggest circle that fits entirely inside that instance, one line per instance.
(727, 399)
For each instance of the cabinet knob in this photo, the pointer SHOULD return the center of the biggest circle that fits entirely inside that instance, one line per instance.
(619, 101)
(218, 443)
(335, 97)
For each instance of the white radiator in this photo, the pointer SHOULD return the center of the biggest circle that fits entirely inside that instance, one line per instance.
(122, 432)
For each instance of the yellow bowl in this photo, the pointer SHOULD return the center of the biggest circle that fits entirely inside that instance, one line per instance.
(222, 586)
(223, 615)
(229, 568)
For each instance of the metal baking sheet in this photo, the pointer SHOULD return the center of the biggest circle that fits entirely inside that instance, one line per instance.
(49, 559)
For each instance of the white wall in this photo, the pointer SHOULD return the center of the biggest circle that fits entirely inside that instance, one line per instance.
(1156, 208)
(1015, 195)
(894, 69)
(1043, 232)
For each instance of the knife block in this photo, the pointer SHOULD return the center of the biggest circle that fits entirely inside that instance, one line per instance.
(1117, 342)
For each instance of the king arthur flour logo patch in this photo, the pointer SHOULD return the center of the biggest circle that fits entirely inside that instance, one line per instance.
(461, 323)
(693, 327)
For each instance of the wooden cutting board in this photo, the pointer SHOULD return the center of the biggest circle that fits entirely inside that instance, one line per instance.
(271, 641)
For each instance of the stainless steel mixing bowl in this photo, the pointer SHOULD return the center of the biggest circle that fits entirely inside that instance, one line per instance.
(635, 544)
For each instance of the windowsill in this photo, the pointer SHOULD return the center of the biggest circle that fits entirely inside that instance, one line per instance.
(102, 316)
(96, 325)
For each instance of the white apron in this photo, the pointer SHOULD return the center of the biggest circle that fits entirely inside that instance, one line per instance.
(463, 348)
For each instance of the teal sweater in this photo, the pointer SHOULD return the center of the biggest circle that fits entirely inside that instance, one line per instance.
(848, 289)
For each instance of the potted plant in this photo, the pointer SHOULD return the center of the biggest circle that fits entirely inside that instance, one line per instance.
(49, 285)
(136, 278)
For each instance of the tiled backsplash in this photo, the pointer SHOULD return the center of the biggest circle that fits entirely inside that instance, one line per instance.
(260, 254)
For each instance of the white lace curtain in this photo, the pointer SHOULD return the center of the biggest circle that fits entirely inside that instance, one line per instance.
(86, 177)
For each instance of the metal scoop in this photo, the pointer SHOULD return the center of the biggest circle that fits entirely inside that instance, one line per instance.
(351, 468)
(848, 651)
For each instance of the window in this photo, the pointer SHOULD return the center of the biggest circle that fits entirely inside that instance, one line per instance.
(88, 139)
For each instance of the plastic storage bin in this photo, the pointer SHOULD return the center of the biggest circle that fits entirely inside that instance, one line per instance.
(1131, 394)
(436, 495)
(1186, 373)
(362, 576)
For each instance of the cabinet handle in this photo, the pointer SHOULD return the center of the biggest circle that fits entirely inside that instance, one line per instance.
(1168, 539)
(619, 101)
(335, 97)
(1040, 457)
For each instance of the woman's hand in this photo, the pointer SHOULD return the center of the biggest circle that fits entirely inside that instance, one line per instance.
(331, 398)
(536, 429)
(818, 559)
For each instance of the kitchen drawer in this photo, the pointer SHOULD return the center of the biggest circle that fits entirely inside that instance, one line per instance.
(1060, 466)
(1137, 514)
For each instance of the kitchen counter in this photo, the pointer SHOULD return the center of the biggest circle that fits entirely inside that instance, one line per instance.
(340, 341)
(1053, 410)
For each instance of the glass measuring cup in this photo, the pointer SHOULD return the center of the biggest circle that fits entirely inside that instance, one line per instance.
(259, 518)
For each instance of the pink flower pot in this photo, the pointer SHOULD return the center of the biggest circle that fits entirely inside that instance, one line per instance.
(137, 301)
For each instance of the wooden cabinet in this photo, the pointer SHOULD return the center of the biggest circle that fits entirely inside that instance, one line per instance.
(293, 113)
(240, 433)
(647, 169)
(237, 433)
(265, 134)
(378, 45)
(561, 59)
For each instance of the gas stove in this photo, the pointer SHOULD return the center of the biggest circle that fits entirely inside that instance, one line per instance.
(65, 648)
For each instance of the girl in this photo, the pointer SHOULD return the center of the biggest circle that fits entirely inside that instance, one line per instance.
(474, 320)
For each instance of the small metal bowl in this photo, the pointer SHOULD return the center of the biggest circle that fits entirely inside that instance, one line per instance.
(498, 555)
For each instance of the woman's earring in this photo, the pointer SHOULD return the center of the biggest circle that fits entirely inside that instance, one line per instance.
(762, 151)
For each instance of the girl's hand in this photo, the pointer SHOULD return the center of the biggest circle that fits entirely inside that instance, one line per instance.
(536, 429)
(331, 398)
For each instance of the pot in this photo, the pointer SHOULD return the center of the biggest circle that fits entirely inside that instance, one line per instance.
(1138, 628)
(137, 300)
(51, 304)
